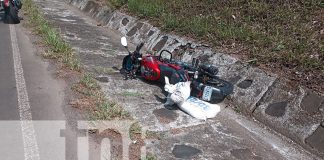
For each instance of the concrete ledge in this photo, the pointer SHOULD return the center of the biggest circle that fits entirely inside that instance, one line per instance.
(284, 109)
(295, 113)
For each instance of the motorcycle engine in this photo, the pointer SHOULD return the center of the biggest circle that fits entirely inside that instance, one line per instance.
(148, 72)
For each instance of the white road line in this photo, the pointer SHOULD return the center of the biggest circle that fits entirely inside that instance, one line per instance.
(31, 151)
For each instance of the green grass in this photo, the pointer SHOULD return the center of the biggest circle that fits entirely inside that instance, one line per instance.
(61, 50)
(284, 33)
(153, 135)
(103, 108)
(108, 111)
(116, 3)
(171, 22)
(132, 94)
(146, 8)
(88, 81)
(135, 129)
(58, 48)
(149, 156)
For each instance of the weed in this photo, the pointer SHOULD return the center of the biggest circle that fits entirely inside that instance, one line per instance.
(132, 94)
(116, 3)
(59, 49)
(88, 81)
(146, 8)
(108, 111)
(149, 156)
(170, 22)
(153, 135)
(103, 109)
(237, 109)
(135, 129)
(199, 26)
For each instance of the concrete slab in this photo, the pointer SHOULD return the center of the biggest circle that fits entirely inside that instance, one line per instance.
(117, 22)
(142, 33)
(250, 84)
(145, 103)
(220, 139)
(316, 140)
(283, 109)
(312, 103)
(77, 3)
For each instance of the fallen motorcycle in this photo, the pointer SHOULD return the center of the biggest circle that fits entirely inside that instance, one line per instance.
(151, 67)
(205, 85)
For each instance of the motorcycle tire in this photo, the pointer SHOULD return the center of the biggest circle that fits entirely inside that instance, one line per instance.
(225, 87)
(13, 17)
(211, 71)
(127, 63)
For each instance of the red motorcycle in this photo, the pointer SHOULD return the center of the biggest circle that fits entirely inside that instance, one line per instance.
(205, 82)
(150, 67)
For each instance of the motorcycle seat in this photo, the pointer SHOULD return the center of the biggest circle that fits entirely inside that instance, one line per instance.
(173, 66)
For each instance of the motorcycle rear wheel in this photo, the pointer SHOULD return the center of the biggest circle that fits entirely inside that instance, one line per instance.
(225, 86)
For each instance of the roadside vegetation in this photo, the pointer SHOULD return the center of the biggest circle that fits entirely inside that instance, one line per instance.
(91, 97)
(282, 36)
(57, 47)
(88, 92)
(135, 134)
(95, 100)
(150, 156)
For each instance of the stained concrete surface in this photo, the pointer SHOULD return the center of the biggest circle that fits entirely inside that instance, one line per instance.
(288, 112)
(219, 138)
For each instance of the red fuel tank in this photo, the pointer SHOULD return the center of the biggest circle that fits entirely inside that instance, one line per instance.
(150, 68)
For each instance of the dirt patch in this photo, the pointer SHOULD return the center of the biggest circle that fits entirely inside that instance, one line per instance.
(135, 147)
(176, 131)
(116, 143)
(165, 116)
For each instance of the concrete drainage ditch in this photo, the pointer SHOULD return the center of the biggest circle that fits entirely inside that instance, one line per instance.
(293, 112)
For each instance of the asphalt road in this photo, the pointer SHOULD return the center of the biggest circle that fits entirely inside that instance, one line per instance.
(8, 91)
(35, 119)
(11, 132)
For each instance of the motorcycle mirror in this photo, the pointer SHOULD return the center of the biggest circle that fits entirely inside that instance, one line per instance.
(165, 55)
(124, 41)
